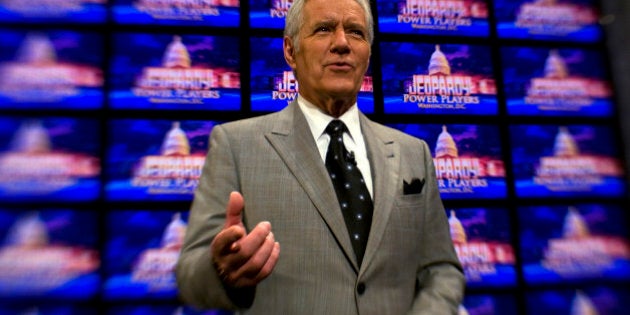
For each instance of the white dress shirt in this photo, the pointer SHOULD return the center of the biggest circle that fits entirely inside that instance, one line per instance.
(318, 121)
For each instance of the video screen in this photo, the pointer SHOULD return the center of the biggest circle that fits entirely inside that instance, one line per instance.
(51, 69)
(53, 11)
(566, 161)
(161, 161)
(141, 252)
(220, 13)
(165, 309)
(175, 72)
(45, 309)
(481, 237)
(467, 158)
(273, 85)
(556, 82)
(572, 243)
(49, 159)
(467, 18)
(580, 300)
(48, 254)
(438, 79)
(268, 13)
(564, 20)
(488, 304)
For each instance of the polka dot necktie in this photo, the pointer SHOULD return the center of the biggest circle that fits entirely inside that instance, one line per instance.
(352, 194)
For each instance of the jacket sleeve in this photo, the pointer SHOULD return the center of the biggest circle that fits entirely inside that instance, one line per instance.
(197, 279)
(440, 280)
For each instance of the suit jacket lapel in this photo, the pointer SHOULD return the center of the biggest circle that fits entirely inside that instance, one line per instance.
(294, 142)
(385, 164)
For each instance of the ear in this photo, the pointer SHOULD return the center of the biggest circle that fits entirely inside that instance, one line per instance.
(289, 52)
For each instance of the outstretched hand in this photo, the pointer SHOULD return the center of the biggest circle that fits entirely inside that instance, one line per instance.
(243, 259)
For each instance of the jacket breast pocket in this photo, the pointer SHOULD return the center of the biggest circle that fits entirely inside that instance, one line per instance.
(408, 212)
(410, 200)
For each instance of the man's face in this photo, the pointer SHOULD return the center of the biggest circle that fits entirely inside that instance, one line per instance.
(333, 52)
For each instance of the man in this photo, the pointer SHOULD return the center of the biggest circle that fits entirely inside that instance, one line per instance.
(280, 192)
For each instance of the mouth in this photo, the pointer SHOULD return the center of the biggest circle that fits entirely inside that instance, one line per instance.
(340, 66)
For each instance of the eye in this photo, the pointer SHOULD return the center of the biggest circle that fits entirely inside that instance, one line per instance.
(322, 29)
(357, 33)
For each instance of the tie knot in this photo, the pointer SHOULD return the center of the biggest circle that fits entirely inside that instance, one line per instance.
(336, 128)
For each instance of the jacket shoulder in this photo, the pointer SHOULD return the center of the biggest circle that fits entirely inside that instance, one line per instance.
(390, 133)
(257, 124)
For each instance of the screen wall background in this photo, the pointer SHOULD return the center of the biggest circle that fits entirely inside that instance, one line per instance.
(106, 108)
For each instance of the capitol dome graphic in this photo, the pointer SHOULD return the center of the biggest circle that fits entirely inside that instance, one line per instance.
(458, 233)
(582, 305)
(176, 55)
(575, 226)
(29, 231)
(37, 49)
(555, 67)
(565, 145)
(31, 138)
(173, 236)
(175, 142)
(438, 63)
(445, 146)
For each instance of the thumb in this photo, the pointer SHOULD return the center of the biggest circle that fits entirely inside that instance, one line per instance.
(234, 209)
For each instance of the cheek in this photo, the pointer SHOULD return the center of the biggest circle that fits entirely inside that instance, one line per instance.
(362, 55)
(310, 62)
(363, 69)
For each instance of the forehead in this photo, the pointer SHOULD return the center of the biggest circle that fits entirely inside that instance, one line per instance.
(316, 11)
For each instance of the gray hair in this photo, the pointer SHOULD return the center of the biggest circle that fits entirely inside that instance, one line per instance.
(294, 20)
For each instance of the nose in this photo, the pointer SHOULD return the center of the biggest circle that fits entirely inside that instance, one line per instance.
(340, 44)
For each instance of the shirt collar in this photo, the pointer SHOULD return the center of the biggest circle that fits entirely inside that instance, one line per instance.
(318, 120)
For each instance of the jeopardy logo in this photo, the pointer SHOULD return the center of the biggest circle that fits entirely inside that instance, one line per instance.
(279, 8)
(33, 166)
(440, 89)
(286, 87)
(155, 266)
(174, 171)
(462, 174)
(49, 7)
(547, 16)
(570, 170)
(559, 90)
(478, 257)
(181, 9)
(37, 74)
(178, 82)
(578, 252)
(440, 15)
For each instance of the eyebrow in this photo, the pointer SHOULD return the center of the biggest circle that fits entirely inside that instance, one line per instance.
(329, 21)
(355, 25)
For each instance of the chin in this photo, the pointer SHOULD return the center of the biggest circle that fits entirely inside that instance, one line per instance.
(343, 88)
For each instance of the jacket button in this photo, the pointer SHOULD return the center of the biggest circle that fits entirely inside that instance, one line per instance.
(361, 288)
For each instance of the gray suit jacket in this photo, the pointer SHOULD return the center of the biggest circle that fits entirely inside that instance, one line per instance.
(409, 267)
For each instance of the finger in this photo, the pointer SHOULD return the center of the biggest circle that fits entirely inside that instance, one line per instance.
(252, 267)
(250, 243)
(243, 249)
(234, 209)
(225, 241)
(222, 253)
(233, 264)
(232, 247)
(266, 270)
